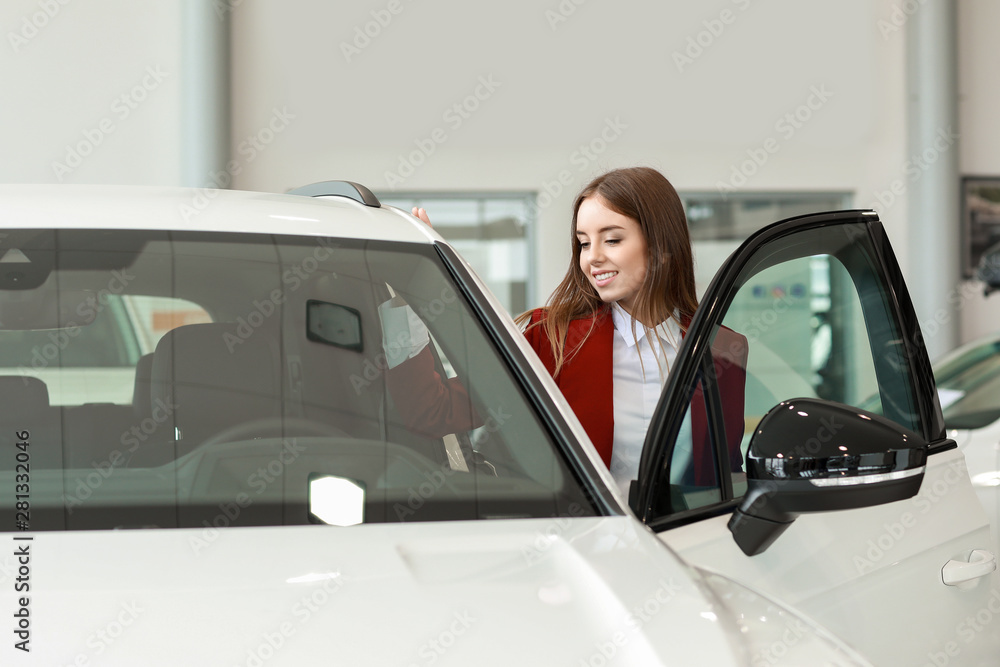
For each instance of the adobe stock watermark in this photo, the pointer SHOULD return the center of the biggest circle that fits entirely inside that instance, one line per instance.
(606, 652)
(915, 167)
(826, 430)
(898, 16)
(402, 343)
(371, 30)
(122, 107)
(777, 651)
(130, 441)
(585, 155)
(249, 148)
(434, 648)
(893, 533)
(766, 319)
(258, 481)
(561, 13)
(434, 481)
(786, 126)
(34, 23)
(550, 534)
(700, 42)
(101, 639)
(87, 310)
(967, 630)
(292, 278)
(303, 610)
(958, 297)
(454, 117)
(9, 566)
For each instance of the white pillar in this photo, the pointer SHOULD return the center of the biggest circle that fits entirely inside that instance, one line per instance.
(933, 181)
(205, 117)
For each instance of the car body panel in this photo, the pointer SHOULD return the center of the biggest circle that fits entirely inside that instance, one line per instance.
(982, 452)
(969, 371)
(868, 574)
(560, 591)
(853, 571)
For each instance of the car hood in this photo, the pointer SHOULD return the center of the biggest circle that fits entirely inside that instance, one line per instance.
(556, 591)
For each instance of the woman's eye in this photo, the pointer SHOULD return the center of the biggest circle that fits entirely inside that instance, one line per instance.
(614, 241)
(584, 246)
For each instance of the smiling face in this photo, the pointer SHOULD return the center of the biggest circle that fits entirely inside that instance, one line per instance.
(613, 251)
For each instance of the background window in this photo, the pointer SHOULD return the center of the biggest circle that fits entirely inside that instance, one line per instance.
(720, 222)
(493, 232)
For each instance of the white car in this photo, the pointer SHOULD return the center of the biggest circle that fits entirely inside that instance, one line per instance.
(259, 500)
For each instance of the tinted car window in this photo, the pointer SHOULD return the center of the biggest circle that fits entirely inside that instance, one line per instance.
(281, 408)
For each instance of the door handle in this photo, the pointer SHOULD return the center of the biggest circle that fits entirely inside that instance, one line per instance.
(961, 573)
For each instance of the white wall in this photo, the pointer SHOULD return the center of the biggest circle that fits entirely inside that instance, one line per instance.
(358, 114)
(304, 111)
(90, 91)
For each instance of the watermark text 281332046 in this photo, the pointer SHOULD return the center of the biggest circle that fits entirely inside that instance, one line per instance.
(22, 544)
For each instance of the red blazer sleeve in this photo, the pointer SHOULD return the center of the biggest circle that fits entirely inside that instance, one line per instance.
(435, 407)
(426, 402)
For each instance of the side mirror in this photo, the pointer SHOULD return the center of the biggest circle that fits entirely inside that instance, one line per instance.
(813, 455)
(989, 269)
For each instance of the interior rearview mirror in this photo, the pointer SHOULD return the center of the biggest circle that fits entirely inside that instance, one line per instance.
(333, 324)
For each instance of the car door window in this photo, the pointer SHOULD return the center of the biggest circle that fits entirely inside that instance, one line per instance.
(813, 320)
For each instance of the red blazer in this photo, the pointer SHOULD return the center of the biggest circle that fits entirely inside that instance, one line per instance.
(436, 407)
(587, 382)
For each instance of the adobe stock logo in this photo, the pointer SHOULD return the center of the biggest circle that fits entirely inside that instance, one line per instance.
(32, 25)
(455, 116)
(122, 107)
(363, 35)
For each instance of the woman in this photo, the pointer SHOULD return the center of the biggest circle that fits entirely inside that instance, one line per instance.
(611, 329)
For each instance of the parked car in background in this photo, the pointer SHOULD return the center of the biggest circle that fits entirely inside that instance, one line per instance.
(258, 499)
(95, 363)
(968, 381)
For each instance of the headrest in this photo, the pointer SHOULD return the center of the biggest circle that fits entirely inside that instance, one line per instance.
(23, 394)
(216, 356)
(212, 377)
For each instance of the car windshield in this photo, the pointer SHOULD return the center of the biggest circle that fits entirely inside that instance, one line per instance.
(167, 379)
(969, 386)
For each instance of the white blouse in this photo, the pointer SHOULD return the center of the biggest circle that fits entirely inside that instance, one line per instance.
(640, 368)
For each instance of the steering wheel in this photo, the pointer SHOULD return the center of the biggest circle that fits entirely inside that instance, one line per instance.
(276, 425)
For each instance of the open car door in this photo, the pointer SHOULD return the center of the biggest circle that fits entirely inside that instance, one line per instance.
(836, 490)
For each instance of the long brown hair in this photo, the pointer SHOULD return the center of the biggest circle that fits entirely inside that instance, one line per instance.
(668, 289)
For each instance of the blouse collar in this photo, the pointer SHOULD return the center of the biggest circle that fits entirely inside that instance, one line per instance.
(632, 330)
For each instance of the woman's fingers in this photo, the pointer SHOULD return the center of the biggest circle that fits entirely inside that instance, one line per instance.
(422, 214)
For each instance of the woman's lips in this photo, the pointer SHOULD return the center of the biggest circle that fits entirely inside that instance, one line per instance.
(604, 277)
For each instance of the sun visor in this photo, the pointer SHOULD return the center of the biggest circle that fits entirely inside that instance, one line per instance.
(44, 308)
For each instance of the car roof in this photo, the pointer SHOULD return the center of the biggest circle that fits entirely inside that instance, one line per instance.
(203, 209)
